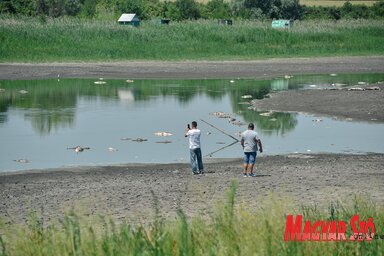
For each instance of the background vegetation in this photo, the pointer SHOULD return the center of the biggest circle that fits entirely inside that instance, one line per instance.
(231, 230)
(191, 9)
(71, 39)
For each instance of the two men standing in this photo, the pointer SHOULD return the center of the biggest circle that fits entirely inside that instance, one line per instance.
(249, 140)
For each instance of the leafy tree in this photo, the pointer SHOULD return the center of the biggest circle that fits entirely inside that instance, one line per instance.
(217, 9)
(23, 7)
(131, 6)
(188, 9)
(378, 9)
(169, 10)
(88, 8)
(291, 9)
(72, 7)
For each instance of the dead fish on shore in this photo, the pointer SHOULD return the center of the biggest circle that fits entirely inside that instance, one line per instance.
(220, 114)
(139, 140)
(266, 114)
(246, 97)
(356, 89)
(238, 123)
(100, 81)
(79, 148)
(373, 88)
(126, 138)
(164, 141)
(22, 161)
(163, 134)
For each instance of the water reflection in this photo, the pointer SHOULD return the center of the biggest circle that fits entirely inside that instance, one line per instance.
(52, 104)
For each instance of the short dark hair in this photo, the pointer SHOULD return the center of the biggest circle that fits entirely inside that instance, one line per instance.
(251, 126)
(194, 124)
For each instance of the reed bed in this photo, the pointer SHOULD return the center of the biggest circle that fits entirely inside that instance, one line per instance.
(231, 230)
(65, 39)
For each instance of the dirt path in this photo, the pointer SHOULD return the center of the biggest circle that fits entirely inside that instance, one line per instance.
(259, 69)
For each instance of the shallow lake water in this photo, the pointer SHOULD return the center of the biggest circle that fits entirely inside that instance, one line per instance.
(41, 119)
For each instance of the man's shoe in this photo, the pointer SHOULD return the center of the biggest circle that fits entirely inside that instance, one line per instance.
(252, 175)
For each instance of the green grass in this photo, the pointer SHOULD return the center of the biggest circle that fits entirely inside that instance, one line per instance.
(231, 230)
(62, 40)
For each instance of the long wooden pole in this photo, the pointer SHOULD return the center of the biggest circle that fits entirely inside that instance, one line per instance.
(220, 130)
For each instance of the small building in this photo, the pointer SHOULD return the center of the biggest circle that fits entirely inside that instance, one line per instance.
(282, 23)
(129, 19)
(224, 22)
(165, 21)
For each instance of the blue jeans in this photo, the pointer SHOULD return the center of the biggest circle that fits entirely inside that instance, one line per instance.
(249, 157)
(196, 155)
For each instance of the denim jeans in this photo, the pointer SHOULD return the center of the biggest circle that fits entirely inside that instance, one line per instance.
(196, 156)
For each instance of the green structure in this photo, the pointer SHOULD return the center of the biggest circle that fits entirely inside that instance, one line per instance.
(129, 19)
(282, 23)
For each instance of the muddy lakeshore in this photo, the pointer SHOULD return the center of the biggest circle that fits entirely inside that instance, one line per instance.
(125, 191)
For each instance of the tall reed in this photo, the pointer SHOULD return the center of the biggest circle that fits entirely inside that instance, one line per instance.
(65, 39)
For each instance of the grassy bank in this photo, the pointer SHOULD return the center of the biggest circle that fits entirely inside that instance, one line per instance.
(231, 230)
(60, 40)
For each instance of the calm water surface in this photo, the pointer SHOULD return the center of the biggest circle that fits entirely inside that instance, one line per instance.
(41, 119)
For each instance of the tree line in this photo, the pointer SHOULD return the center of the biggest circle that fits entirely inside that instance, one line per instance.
(189, 9)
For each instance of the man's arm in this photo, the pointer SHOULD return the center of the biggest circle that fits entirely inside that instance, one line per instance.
(260, 146)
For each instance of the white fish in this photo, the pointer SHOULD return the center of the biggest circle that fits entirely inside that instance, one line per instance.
(130, 81)
(163, 134)
(22, 161)
(100, 82)
(111, 149)
(246, 97)
(266, 114)
(23, 91)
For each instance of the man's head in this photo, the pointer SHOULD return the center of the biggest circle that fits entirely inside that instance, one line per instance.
(251, 126)
(194, 124)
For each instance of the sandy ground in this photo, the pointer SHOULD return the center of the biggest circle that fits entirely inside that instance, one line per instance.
(259, 69)
(124, 191)
(364, 105)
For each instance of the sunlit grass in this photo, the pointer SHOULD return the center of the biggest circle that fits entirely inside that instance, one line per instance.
(337, 3)
(232, 230)
(29, 40)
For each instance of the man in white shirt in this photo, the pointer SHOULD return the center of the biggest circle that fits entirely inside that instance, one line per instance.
(195, 149)
(251, 143)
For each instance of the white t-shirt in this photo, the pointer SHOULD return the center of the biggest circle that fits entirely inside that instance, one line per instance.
(249, 138)
(194, 138)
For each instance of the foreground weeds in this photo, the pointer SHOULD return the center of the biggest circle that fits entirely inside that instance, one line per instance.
(231, 230)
